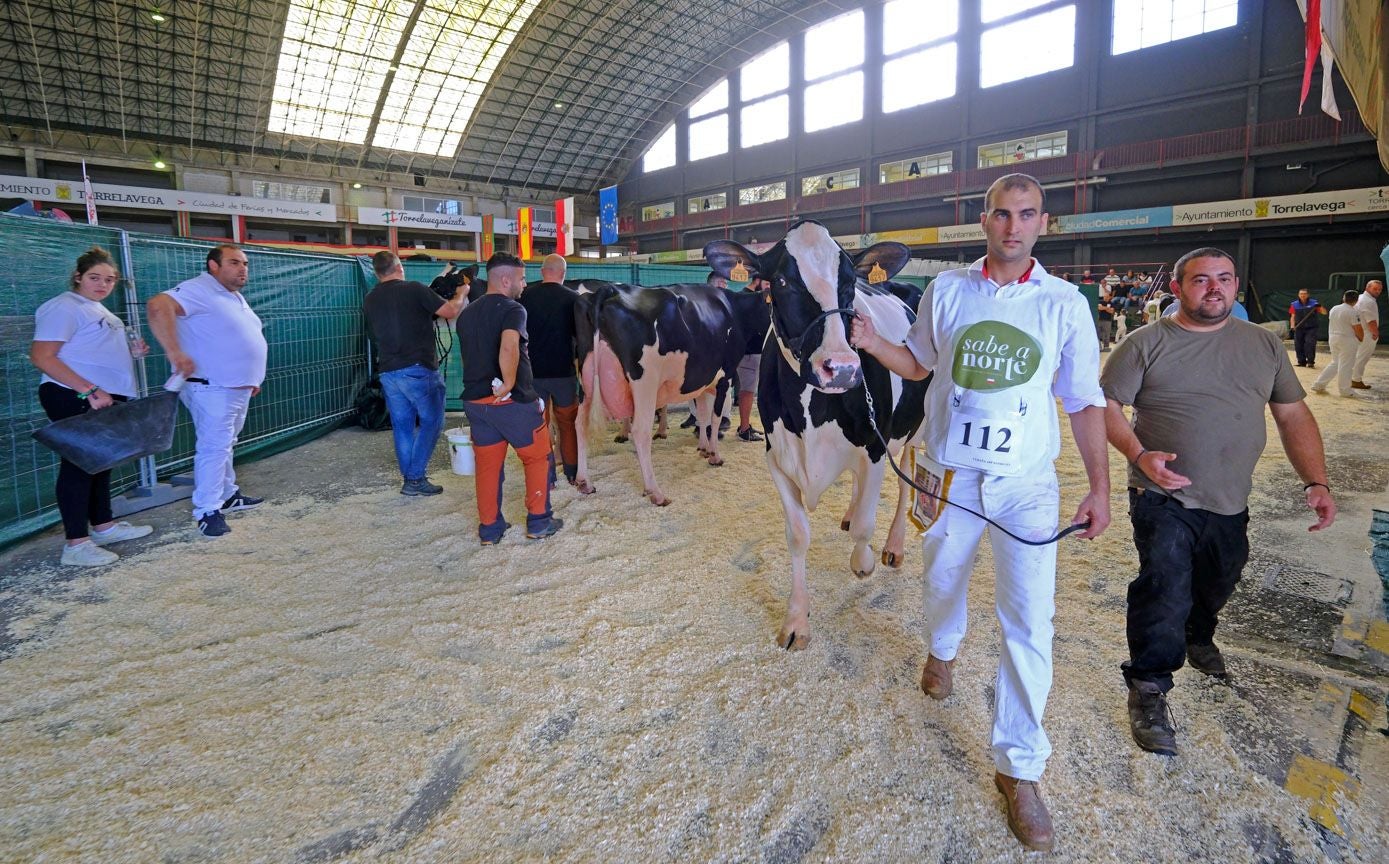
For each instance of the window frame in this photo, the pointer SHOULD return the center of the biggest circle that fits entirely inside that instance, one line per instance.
(692, 203)
(835, 186)
(1002, 152)
(767, 200)
(931, 160)
(658, 141)
(1116, 14)
(658, 212)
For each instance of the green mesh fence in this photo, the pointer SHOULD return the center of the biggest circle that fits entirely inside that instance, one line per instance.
(310, 305)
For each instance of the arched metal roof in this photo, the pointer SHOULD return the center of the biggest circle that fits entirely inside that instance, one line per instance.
(572, 102)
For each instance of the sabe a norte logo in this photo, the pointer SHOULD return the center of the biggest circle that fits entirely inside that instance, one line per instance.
(991, 355)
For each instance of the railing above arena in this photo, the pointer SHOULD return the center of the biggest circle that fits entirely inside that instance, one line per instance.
(1239, 142)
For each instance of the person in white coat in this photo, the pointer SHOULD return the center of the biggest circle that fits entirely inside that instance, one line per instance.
(1368, 307)
(1004, 340)
(1345, 332)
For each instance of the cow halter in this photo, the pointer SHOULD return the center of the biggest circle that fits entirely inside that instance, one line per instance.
(792, 346)
(887, 454)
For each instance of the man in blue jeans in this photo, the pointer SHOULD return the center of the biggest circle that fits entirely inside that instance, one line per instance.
(400, 317)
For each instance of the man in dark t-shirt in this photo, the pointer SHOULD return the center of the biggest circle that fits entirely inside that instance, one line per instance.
(1199, 383)
(550, 323)
(501, 403)
(400, 317)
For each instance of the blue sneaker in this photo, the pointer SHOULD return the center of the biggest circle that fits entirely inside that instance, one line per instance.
(491, 539)
(213, 524)
(549, 530)
(238, 501)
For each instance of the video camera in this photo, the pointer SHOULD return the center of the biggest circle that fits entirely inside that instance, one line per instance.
(448, 282)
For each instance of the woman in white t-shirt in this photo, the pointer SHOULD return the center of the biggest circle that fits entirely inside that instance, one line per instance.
(81, 348)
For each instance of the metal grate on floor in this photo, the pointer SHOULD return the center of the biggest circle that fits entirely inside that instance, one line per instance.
(1310, 584)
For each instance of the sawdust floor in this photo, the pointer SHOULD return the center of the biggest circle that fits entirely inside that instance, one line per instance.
(349, 676)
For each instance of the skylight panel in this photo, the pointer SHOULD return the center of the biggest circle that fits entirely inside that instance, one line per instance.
(335, 62)
(329, 77)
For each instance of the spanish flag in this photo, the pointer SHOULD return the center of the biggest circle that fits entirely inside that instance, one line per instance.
(523, 232)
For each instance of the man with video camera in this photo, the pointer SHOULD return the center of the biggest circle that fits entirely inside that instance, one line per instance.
(400, 317)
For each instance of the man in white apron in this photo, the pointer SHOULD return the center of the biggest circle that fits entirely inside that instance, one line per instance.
(1004, 340)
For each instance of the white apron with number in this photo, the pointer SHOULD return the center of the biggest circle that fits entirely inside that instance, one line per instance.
(991, 407)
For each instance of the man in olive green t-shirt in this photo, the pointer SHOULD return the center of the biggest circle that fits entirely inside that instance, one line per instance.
(1198, 382)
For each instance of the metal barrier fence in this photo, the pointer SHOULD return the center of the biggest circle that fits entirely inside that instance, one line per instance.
(310, 305)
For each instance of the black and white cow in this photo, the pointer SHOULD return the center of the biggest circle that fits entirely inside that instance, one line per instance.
(811, 390)
(643, 348)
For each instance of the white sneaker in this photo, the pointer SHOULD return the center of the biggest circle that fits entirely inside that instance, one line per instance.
(120, 531)
(88, 554)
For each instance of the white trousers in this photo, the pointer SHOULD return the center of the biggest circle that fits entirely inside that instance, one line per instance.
(1025, 601)
(218, 415)
(1341, 366)
(1362, 357)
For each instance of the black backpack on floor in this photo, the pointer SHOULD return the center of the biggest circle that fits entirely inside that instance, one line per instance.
(371, 406)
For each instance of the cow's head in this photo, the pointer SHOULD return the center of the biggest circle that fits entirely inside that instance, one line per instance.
(812, 283)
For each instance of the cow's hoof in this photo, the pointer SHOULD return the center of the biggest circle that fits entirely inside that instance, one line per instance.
(657, 499)
(793, 640)
(661, 435)
(585, 487)
(892, 559)
(620, 439)
(715, 461)
(844, 525)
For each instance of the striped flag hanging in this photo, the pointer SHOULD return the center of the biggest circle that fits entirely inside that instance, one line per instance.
(564, 227)
(1311, 46)
(523, 232)
(88, 195)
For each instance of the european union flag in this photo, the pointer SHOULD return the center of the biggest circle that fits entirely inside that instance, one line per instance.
(607, 215)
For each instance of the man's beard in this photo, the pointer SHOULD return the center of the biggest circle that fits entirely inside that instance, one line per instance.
(1199, 314)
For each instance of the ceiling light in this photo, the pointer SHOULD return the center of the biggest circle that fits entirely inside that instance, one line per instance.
(157, 17)
(559, 104)
(356, 185)
(159, 162)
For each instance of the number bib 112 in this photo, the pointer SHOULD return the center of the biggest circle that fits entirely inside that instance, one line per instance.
(985, 442)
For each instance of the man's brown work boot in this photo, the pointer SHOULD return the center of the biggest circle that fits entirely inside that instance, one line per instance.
(1028, 818)
(936, 680)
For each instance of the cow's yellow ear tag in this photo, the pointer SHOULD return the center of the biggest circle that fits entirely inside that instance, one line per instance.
(739, 273)
(877, 274)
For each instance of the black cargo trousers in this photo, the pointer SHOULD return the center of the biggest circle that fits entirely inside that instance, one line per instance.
(1189, 561)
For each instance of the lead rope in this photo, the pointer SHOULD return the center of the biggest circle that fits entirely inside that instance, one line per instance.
(873, 420)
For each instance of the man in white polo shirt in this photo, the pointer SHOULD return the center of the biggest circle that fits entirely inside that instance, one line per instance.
(1368, 307)
(213, 339)
(1344, 337)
